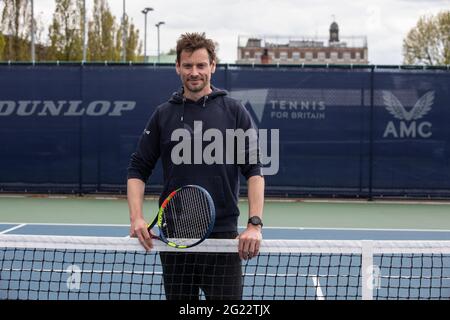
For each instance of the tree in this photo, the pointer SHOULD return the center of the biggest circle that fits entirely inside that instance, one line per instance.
(16, 26)
(41, 48)
(133, 46)
(66, 31)
(101, 34)
(65, 34)
(2, 46)
(428, 43)
(173, 51)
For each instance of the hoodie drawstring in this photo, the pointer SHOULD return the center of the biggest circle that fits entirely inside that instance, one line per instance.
(182, 116)
(205, 99)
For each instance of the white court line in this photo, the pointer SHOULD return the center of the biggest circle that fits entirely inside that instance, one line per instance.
(107, 198)
(375, 201)
(354, 229)
(243, 227)
(11, 196)
(13, 228)
(319, 293)
(287, 200)
(71, 224)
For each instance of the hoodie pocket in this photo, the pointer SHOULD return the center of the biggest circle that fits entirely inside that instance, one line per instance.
(212, 184)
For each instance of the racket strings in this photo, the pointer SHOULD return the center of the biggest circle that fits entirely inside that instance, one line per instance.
(187, 216)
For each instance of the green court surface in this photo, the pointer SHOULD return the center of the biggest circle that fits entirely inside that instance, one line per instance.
(307, 214)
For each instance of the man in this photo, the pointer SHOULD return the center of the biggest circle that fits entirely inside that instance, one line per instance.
(198, 102)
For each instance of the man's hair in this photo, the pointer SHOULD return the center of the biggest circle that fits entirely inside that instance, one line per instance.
(193, 41)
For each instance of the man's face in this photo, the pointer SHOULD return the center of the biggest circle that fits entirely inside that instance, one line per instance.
(195, 70)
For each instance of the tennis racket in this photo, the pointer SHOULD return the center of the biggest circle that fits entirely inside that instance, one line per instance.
(186, 217)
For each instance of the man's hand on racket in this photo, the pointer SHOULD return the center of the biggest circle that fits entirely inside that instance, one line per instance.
(138, 229)
(249, 242)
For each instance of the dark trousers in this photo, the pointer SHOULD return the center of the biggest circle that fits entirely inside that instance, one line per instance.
(218, 275)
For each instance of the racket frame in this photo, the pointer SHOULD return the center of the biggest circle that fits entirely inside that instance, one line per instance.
(158, 219)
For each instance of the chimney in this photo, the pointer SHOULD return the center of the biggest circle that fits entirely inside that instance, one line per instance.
(265, 59)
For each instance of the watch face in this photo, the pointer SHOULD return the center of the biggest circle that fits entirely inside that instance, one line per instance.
(255, 220)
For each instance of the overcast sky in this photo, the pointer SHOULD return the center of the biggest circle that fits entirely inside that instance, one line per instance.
(384, 22)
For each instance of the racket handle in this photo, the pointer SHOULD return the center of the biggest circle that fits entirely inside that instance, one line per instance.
(154, 237)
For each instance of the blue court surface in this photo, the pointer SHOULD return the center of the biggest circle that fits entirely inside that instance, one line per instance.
(268, 233)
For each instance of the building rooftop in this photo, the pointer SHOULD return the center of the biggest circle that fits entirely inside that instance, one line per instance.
(164, 58)
(272, 41)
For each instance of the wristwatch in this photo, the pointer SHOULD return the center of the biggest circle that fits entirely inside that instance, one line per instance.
(256, 221)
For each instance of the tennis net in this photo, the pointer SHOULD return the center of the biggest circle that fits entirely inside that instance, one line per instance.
(61, 267)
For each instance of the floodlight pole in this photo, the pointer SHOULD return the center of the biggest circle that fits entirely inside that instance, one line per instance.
(124, 35)
(84, 32)
(145, 11)
(157, 26)
(33, 54)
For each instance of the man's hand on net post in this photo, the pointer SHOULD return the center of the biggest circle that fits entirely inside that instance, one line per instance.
(138, 229)
(249, 242)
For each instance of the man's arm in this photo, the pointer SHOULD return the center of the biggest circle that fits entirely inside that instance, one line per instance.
(140, 168)
(250, 239)
(138, 225)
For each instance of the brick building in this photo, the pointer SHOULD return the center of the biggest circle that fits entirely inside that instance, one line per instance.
(298, 50)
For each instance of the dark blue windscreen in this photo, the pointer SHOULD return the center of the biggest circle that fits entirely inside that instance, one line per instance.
(411, 131)
(323, 123)
(342, 131)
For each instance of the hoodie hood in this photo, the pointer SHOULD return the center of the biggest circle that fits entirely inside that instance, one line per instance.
(177, 97)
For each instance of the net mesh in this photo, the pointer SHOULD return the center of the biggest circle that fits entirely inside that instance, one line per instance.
(54, 267)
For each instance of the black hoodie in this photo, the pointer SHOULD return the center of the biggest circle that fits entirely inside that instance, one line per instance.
(215, 111)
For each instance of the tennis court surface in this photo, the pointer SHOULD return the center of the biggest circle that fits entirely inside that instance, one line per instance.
(98, 261)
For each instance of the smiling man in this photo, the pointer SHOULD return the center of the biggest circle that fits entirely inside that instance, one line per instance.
(197, 101)
(195, 69)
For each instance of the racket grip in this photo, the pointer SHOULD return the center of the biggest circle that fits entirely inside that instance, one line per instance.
(154, 237)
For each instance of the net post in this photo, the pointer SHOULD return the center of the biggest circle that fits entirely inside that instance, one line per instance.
(367, 269)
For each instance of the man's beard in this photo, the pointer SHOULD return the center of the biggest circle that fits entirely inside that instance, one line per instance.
(196, 88)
